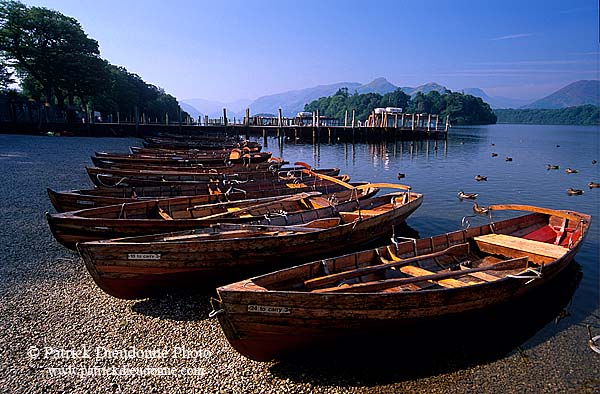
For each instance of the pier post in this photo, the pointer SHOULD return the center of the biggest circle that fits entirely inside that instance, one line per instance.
(353, 112)
(279, 121)
(396, 122)
(118, 117)
(447, 123)
(413, 122)
(437, 118)
(346, 118)
(318, 124)
(402, 126)
(247, 121)
(225, 117)
(429, 123)
(166, 118)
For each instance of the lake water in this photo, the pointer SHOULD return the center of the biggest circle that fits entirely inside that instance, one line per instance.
(438, 169)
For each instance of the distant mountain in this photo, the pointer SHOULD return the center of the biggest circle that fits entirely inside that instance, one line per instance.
(194, 113)
(378, 85)
(496, 101)
(292, 102)
(428, 87)
(578, 93)
(214, 109)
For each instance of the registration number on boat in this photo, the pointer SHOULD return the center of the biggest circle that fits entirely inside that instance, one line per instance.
(269, 309)
(143, 256)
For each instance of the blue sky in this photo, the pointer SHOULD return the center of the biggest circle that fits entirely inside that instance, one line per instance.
(229, 50)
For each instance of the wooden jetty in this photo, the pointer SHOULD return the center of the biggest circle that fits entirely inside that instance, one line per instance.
(383, 123)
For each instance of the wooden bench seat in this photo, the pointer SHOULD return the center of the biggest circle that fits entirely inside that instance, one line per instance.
(529, 247)
(416, 271)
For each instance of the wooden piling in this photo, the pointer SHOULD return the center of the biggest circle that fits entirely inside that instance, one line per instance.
(247, 121)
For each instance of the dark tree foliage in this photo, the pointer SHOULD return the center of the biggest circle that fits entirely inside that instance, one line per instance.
(6, 76)
(580, 115)
(462, 108)
(336, 106)
(58, 63)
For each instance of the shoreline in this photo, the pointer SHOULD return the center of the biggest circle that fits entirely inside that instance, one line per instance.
(50, 301)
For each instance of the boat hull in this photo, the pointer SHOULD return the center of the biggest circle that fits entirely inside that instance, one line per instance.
(140, 269)
(266, 324)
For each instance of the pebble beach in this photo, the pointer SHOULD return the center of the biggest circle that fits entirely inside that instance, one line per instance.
(60, 333)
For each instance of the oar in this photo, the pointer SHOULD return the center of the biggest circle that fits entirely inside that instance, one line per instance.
(530, 208)
(245, 209)
(456, 250)
(303, 164)
(388, 283)
(384, 186)
(328, 178)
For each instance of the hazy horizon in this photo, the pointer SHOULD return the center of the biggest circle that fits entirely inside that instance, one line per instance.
(235, 50)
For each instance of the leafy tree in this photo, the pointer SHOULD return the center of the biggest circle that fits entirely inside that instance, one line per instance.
(462, 109)
(57, 62)
(580, 115)
(6, 76)
(44, 44)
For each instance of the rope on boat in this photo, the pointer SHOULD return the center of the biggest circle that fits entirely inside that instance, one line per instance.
(122, 209)
(594, 342)
(105, 185)
(465, 222)
(233, 189)
(396, 238)
(333, 200)
(535, 274)
(215, 312)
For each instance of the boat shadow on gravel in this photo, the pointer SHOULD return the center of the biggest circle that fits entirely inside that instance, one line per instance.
(192, 302)
(437, 347)
(178, 306)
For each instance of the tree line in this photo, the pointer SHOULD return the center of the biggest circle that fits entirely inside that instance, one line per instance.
(463, 109)
(579, 115)
(54, 62)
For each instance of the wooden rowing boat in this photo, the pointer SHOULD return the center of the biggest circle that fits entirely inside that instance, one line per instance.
(151, 151)
(183, 213)
(273, 165)
(141, 266)
(192, 143)
(380, 291)
(235, 156)
(109, 177)
(73, 200)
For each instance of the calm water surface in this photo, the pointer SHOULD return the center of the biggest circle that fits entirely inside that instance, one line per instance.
(438, 169)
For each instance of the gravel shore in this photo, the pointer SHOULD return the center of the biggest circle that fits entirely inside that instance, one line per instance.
(60, 333)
